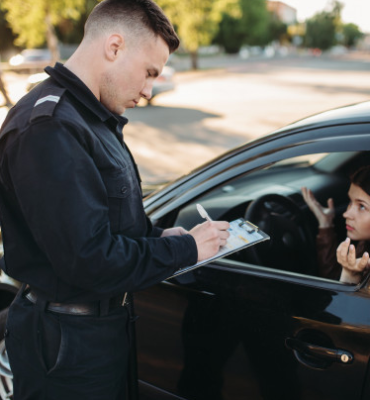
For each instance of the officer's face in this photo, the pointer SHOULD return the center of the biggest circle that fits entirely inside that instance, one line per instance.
(132, 74)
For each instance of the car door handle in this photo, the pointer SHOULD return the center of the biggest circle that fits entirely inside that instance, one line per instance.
(314, 350)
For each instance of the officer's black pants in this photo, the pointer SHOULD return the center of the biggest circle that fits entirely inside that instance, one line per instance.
(66, 357)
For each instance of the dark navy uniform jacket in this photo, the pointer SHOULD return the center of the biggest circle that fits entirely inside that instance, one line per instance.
(71, 210)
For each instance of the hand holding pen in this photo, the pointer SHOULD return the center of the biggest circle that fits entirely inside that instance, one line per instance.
(209, 236)
(203, 213)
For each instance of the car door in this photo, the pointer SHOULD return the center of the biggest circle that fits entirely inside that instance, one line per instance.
(236, 330)
(242, 335)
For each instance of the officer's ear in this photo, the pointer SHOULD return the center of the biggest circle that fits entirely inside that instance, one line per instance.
(113, 45)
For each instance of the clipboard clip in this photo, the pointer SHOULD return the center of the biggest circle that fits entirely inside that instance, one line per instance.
(248, 226)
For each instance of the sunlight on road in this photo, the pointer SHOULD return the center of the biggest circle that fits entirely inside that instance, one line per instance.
(159, 155)
(256, 100)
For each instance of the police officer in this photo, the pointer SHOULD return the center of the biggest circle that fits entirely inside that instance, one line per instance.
(73, 223)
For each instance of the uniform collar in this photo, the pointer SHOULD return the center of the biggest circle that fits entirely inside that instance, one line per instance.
(84, 95)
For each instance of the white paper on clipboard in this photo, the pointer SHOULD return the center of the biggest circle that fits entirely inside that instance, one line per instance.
(243, 234)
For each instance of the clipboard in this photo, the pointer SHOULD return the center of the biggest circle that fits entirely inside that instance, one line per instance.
(243, 234)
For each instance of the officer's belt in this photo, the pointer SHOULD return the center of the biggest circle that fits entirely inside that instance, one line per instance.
(88, 308)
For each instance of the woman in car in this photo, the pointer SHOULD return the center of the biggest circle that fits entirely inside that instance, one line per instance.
(346, 262)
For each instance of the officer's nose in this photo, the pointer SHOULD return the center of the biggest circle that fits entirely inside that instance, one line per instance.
(147, 90)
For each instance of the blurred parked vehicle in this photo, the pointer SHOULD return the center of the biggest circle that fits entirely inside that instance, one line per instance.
(30, 60)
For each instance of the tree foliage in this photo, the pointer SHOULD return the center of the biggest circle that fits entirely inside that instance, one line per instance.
(322, 28)
(71, 30)
(6, 34)
(33, 21)
(277, 30)
(197, 21)
(251, 27)
(351, 34)
(320, 31)
(230, 34)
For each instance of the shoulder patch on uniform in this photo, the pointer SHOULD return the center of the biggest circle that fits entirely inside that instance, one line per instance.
(46, 103)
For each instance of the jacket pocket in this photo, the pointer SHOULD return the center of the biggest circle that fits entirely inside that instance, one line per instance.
(121, 200)
(116, 185)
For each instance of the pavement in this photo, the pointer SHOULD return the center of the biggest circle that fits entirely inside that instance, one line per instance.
(231, 101)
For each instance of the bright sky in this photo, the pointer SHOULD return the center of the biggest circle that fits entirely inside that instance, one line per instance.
(355, 11)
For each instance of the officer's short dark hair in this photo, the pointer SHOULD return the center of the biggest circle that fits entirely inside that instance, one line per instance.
(134, 15)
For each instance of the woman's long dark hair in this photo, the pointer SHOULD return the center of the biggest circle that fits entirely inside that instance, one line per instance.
(361, 178)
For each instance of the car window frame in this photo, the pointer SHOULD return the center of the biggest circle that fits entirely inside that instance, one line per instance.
(256, 160)
(347, 138)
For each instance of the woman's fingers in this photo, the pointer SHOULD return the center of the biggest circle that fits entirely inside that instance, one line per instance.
(331, 205)
(342, 252)
(351, 257)
(346, 256)
(363, 262)
(311, 201)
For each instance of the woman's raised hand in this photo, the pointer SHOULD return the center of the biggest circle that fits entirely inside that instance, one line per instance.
(324, 215)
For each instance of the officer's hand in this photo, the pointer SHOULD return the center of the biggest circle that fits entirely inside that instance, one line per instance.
(177, 231)
(209, 237)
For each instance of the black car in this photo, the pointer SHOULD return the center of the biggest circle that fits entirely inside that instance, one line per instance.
(261, 323)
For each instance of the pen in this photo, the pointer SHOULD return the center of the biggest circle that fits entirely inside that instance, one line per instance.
(203, 213)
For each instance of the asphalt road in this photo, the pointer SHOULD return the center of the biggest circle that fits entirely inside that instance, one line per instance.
(230, 101)
(214, 110)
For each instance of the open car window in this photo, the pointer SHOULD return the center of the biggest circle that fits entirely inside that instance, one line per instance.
(271, 198)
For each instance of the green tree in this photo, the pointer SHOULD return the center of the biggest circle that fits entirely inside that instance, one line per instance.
(250, 27)
(197, 21)
(71, 30)
(255, 20)
(277, 30)
(34, 21)
(6, 34)
(322, 28)
(351, 34)
(320, 31)
(230, 34)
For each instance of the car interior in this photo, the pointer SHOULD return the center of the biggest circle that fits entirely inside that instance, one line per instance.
(271, 198)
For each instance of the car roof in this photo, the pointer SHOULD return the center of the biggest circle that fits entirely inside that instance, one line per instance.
(354, 113)
(348, 115)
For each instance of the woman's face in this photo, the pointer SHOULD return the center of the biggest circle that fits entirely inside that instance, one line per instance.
(357, 215)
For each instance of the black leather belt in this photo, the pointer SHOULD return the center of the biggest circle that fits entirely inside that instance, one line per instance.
(92, 308)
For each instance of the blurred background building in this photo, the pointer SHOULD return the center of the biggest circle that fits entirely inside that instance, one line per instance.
(284, 12)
